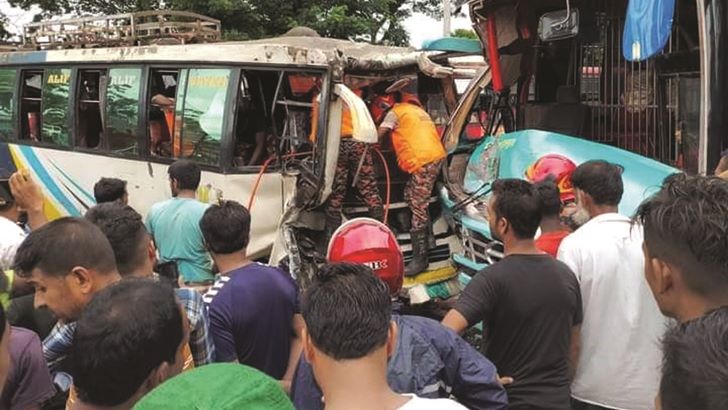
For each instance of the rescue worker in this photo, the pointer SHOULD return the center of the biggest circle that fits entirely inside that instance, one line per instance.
(350, 158)
(420, 153)
(429, 360)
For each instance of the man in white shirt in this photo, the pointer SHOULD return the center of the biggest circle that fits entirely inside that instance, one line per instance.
(686, 267)
(18, 195)
(348, 337)
(620, 356)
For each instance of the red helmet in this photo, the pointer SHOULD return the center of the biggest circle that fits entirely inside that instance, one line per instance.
(380, 105)
(369, 242)
(557, 166)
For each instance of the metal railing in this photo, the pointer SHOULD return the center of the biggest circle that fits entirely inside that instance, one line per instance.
(146, 27)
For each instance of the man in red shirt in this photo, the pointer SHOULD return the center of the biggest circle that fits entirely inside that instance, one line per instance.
(552, 231)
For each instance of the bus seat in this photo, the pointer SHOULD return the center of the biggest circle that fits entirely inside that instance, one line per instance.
(566, 116)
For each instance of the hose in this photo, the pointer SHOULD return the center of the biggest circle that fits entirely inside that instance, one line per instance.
(267, 163)
(389, 183)
(262, 172)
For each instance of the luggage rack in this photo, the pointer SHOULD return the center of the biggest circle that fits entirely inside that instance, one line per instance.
(129, 29)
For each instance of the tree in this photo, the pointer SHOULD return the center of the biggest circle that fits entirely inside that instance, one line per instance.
(375, 21)
(464, 33)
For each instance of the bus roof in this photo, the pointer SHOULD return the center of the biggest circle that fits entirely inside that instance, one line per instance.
(297, 51)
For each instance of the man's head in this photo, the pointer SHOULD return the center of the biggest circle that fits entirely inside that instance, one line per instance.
(111, 190)
(514, 210)
(184, 175)
(129, 339)
(695, 364)
(686, 238)
(550, 197)
(598, 185)
(123, 227)
(348, 317)
(226, 228)
(66, 261)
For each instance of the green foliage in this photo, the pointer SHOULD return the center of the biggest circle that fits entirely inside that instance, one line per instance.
(465, 33)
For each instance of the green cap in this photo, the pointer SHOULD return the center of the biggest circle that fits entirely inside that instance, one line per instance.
(218, 386)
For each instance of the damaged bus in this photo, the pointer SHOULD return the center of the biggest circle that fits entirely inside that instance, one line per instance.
(108, 96)
(639, 83)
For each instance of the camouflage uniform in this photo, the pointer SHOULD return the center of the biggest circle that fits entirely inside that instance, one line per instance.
(350, 153)
(418, 191)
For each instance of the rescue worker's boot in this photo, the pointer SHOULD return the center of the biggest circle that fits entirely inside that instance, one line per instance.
(377, 213)
(420, 245)
(431, 240)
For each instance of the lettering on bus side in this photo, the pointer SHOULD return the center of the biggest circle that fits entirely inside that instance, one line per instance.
(209, 81)
(59, 78)
(124, 80)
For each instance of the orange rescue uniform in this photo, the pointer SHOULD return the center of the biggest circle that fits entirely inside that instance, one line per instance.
(415, 139)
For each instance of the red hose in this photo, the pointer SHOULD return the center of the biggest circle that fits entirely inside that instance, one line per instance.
(389, 183)
(493, 53)
(262, 171)
(269, 160)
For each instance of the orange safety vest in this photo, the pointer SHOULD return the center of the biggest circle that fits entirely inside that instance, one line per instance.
(415, 139)
(347, 124)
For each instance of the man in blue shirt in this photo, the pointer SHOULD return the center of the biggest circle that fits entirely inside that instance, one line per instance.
(175, 225)
(428, 360)
(253, 308)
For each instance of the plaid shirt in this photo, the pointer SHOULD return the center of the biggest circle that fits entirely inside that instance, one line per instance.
(58, 343)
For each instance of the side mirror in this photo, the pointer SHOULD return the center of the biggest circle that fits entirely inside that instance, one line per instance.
(558, 25)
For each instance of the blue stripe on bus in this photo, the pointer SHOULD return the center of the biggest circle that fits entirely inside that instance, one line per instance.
(47, 180)
(88, 196)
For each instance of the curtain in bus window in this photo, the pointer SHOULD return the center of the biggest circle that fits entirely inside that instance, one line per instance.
(56, 91)
(7, 91)
(204, 111)
(122, 109)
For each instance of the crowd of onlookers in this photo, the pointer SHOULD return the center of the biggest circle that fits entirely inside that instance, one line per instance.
(114, 311)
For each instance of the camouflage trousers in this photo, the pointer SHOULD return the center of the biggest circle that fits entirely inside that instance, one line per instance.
(350, 153)
(417, 193)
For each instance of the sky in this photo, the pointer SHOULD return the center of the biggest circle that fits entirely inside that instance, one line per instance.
(420, 27)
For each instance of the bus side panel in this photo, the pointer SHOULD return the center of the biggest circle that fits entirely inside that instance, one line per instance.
(67, 179)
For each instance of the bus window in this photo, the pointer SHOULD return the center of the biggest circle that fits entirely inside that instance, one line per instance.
(162, 96)
(30, 104)
(204, 104)
(89, 125)
(292, 110)
(7, 93)
(254, 138)
(122, 109)
(56, 91)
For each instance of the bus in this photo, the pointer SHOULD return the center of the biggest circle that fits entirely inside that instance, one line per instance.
(76, 108)
(569, 77)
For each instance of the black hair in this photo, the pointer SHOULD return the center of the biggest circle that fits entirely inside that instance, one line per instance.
(550, 197)
(347, 310)
(109, 190)
(187, 174)
(519, 203)
(685, 224)
(226, 227)
(125, 230)
(602, 180)
(695, 364)
(61, 245)
(126, 331)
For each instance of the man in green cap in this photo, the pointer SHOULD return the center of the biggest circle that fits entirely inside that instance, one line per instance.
(209, 387)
